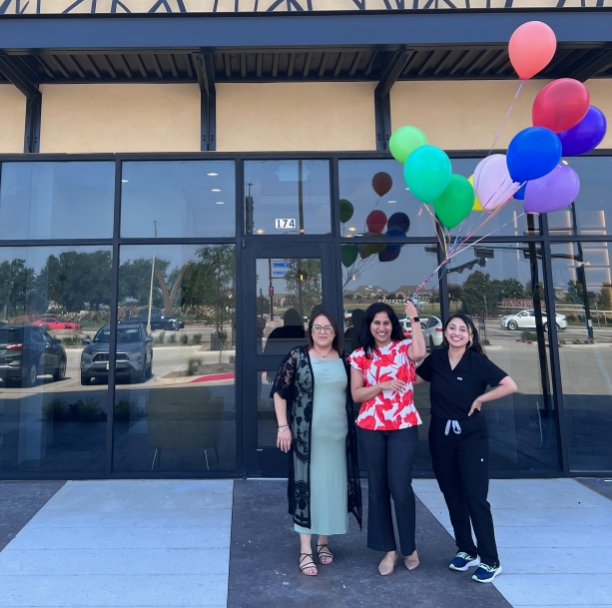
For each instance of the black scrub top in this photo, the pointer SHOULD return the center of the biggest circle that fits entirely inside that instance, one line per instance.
(453, 391)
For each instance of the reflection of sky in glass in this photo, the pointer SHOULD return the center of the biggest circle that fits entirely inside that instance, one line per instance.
(274, 187)
(54, 200)
(594, 203)
(356, 187)
(186, 198)
(176, 255)
(411, 268)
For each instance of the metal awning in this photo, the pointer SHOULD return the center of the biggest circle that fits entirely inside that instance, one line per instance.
(438, 63)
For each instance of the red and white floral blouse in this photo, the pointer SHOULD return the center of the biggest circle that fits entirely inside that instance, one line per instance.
(388, 411)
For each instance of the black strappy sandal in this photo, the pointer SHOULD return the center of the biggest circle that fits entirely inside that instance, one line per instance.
(324, 551)
(307, 565)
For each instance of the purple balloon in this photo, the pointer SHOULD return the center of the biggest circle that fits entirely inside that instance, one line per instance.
(586, 135)
(552, 192)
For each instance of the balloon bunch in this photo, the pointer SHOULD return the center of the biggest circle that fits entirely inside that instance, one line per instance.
(563, 124)
(377, 226)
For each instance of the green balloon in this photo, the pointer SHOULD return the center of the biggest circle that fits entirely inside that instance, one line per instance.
(346, 210)
(405, 141)
(456, 202)
(427, 173)
(349, 254)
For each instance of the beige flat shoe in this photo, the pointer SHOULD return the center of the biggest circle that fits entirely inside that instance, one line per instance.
(387, 565)
(412, 561)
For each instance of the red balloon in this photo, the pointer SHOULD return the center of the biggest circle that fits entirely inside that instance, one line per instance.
(561, 105)
(531, 48)
(382, 183)
(376, 221)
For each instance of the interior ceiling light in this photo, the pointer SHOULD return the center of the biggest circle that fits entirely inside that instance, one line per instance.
(220, 203)
(391, 202)
(125, 181)
(212, 174)
(216, 190)
(352, 229)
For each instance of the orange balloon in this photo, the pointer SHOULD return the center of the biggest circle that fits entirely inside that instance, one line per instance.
(531, 48)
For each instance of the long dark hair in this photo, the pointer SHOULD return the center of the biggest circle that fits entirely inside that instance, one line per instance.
(366, 339)
(338, 342)
(476, 346)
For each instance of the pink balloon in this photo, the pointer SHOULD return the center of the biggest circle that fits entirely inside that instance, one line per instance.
(531, 48)
(552, 192)
(492, 182)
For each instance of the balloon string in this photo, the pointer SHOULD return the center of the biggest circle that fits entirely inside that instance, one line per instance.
(455, 252)
(507, 117)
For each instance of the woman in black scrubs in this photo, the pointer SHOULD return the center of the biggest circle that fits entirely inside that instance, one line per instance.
(458, 440)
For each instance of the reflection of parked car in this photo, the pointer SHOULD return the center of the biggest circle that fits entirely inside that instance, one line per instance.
(159, 320)
(433, 330)
(134, 354)
(27, 352)
(526, 319)
(55, 324)
(406, 327)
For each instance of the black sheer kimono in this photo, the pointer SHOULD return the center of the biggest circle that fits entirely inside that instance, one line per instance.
(295, 383)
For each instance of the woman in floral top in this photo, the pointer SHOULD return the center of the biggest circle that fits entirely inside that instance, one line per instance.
(382, 376)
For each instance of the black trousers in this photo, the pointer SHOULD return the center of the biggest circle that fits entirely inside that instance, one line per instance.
(461, 465)
(388, 458)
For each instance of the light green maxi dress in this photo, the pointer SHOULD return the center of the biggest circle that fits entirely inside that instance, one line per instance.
(329, 427)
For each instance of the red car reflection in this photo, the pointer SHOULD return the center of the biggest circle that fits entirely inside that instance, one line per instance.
(54, 324)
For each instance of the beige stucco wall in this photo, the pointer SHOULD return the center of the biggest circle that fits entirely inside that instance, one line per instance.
(295, 117)
(464, 115)
(12, 119)
(120, 118)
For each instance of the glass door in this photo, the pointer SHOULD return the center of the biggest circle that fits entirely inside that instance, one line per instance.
(284, 284)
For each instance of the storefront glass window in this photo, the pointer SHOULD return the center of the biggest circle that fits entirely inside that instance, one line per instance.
(369, 280)
(592, 212)
(289, 290)
(50, 299)
(55, 200)
(501, 289)
(369, 187)
(583, 299)
(175, 403)
(178, 198)
(287, 197)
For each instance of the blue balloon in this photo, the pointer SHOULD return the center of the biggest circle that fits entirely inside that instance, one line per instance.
(396, 233)
(533, 153)
(519, 195)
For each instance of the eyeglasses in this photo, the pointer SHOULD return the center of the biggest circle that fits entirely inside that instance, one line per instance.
(326, 329)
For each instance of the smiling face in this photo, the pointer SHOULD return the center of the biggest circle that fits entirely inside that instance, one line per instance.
(322, 332)
(381, 329)
(457, 333)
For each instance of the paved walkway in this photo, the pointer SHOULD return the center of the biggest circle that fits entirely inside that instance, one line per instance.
(119, 544)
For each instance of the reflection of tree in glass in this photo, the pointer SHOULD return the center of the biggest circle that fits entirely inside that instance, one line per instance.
(17, 288)
(303, 281)
(72, 281)
(481, 295)
(76, 280)
(135, 281)
(208, 286)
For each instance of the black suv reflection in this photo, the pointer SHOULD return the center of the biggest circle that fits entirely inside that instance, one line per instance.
(159, 320)
(27, 352)
(134, 354)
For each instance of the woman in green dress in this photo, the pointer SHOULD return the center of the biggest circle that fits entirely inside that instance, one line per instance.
(314, 410)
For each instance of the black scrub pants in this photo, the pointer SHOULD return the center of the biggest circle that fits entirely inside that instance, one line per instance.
(461, 465)
(388, 458)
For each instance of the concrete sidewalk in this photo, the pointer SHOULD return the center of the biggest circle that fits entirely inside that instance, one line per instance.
(119, 544)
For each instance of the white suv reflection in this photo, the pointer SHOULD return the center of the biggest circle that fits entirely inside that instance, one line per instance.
(526, 319)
